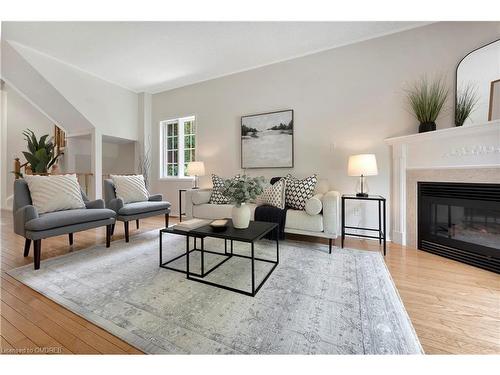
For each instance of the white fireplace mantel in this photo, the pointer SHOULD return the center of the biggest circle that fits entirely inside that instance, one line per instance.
(474, 146)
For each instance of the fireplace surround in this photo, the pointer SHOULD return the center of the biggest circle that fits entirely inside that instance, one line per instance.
(460, 221)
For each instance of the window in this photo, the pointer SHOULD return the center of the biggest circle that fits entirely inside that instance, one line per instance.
(178, 146)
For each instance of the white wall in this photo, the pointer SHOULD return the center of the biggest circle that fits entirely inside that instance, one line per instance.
(111, 109)
(20, 115)
(116, 157)
(346, 101)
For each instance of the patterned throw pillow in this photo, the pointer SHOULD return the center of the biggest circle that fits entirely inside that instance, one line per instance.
(218, 185)
(130, 188)
(54, 193)
(274, 195)
(299, 191)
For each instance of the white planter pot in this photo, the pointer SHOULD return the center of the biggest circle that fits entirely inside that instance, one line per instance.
(241, 216)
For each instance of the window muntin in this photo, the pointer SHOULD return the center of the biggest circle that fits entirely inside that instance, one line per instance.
(178, 146)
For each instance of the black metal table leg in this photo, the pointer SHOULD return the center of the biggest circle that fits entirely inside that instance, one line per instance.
(187, 257)
(278, 246)
(343, 223)
(202, 257)
(384, 228)
(253, 270)
(180, 206)
(161, 247)
(379, 224)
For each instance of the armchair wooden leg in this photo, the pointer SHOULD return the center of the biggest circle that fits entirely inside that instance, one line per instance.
(166, 220)
(38, 253)
(125, 223)
(27, 244)
(70, 239)
(137, 223)
(112, 229)
(330, 245)
(108, 235)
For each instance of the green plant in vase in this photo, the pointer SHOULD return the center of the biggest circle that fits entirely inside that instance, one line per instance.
(467, 99)
(41, 154)
(427, 99)
(239, 191)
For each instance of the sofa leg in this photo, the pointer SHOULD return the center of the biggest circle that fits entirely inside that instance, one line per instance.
(166, 220)
(108, 235)
(112, 229)
(125, 223)
(137, 224)
(38, 253)
(27, 244)
(70, 239)
(330, 245)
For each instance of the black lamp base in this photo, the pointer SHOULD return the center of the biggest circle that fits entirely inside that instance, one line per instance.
(362, 195)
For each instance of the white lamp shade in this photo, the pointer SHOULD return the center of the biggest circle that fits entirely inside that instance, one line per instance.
(195, 168)
(362, 165)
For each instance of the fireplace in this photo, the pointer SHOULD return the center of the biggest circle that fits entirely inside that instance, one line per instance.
(460, 221)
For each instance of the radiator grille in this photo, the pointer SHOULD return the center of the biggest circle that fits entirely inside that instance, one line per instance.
(484, 192)
(488, 263)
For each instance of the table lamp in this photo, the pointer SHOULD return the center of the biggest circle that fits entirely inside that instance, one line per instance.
(196, 169)
(362, 165)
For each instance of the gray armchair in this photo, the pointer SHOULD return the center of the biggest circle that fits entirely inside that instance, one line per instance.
(35, 227)
(134, 211)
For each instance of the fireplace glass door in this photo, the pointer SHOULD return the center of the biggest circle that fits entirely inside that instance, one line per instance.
(460, 222)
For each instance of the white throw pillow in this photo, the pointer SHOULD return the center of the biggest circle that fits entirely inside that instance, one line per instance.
(55, 193)
(314, 205)
(130, 188)
(274, 195)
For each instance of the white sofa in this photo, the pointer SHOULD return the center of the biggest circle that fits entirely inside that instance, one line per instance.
(326, 224)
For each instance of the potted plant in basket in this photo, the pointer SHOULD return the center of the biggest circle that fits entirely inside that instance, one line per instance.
(427, 100)
(239, 191)
(466, 103)
(41, 154)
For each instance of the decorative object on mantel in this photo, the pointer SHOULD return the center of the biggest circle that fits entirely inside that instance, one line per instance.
(196, 169)
(466, 102)
(240, 190)
(362, 165)
(267, 140)
(494, 110)
(427, 100)
(480, 66)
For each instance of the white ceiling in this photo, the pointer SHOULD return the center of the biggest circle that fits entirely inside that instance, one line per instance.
(157, 56)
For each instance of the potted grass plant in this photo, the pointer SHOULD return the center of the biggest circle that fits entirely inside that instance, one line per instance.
(465, 104)
(427, 99)
(239, 191)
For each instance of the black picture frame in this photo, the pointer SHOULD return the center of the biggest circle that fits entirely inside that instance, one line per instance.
(243, 137)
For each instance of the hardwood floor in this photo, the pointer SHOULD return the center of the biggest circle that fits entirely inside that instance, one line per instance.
(454, 308)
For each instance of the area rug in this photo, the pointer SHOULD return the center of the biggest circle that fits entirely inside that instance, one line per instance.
(313, 303)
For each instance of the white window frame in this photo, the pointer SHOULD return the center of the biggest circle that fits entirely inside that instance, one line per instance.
(180, 147)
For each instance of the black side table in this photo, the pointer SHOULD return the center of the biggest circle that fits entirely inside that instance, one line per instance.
(180, 204)
(381, 219)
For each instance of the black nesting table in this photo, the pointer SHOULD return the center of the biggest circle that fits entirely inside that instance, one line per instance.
(256, 231)
(381, 219)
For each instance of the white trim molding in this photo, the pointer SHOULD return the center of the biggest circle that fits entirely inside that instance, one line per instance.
(465, 147)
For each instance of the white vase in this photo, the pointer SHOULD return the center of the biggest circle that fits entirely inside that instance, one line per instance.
(241, 216)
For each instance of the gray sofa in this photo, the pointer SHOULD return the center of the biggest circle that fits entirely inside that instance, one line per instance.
(134, 211)
(35, 227)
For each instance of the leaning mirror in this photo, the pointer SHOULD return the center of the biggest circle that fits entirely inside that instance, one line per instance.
(478, 86)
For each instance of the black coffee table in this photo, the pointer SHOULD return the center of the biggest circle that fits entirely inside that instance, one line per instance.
(256, 231)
